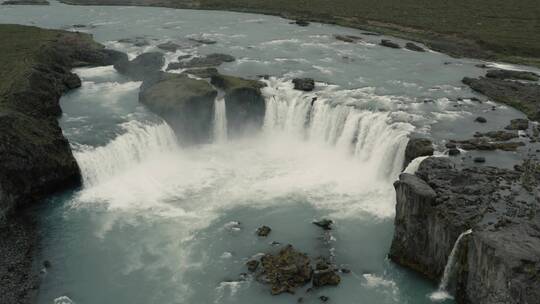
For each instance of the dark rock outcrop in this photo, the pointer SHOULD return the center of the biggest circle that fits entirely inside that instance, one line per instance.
(285, 271)
(35, 158)
(202, 72)
(484, 144)
(480, 119)
(417, 147)
(143, 67)
(522, 96)
(301, 22)
(245, 104)
(413, 47)
(518, 124)
(185, 103)
(509, 74)
(325, 224)
(263, 231)
(499, 262)
(212, 60)
(169, 46)
(390, 44)
(304, 84)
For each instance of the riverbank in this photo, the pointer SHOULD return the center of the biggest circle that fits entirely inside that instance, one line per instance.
(35, 158)
(482, 29)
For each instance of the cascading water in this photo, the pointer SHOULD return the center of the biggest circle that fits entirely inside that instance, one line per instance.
(138, 143)
(370, 137)
(442, 293)
(220, 120)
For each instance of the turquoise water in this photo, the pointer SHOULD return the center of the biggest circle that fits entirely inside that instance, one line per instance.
(155, 221)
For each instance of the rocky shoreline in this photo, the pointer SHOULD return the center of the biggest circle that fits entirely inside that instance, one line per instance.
(35, 158)
(499, 262)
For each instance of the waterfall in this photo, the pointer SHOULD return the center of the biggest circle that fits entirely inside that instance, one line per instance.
(139, 142)
(220, 121)
(442, 292)
(370, 137)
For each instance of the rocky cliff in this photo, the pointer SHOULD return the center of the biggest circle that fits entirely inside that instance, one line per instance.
(499, 262)
(35, 158)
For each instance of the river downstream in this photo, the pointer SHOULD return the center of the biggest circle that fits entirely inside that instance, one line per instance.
(159, 221)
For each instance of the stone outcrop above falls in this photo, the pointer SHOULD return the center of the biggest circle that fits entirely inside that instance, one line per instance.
(417, 147)
(245, 104)
(499, 262)
(144, 67)
(186, 104)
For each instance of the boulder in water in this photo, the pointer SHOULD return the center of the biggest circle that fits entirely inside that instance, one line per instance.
(186, 104)
(169, 46)
(144, 66)
(263, 231)
(480, 119)
(301, 22)
(285, 271)
(325, 224)
(413, 47)
(390, 44)
(348, 38)
(304, 84)
(325, 274)
(417, 147)
(245, 104)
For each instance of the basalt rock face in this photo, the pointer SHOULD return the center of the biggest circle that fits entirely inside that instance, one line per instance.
(245, 104)
(186, 104)
(35, 158)
(417, 147)
(499, 262)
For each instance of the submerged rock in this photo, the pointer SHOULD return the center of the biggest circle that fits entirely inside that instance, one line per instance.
(202, 40)
(479, 159)
(136, 41)
(440, 202)
(186, 104)
(304, 84)
(263, 231)
(417, 147)
(413, 47)
(245, 104)
(390, 44)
